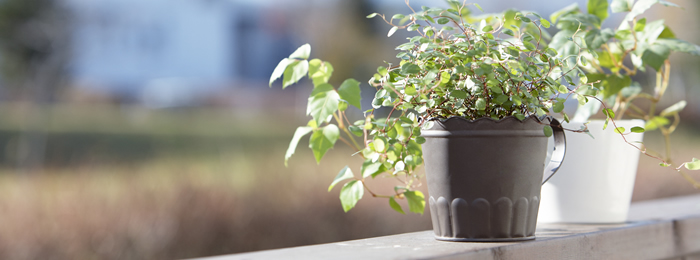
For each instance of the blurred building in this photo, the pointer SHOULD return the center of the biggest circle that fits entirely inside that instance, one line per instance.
(172, 52)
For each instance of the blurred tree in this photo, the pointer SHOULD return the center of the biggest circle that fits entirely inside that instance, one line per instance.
(34, 53)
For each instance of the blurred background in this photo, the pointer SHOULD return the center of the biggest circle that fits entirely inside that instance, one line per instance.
(145, 129)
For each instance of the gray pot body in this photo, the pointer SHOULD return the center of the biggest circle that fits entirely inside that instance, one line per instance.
(484, 177)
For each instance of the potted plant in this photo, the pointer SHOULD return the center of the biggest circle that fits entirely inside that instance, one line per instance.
(471, 99)
(601, 192)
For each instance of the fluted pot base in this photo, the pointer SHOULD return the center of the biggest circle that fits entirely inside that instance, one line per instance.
(511, 239)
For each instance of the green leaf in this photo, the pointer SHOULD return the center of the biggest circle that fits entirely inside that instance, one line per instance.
(323, 140)
(410, 90)
(667, 33)
(548, 131)
(395, 205)
(545, 23)
(342, 105)
(608, 113)
(302, 52)
(372, 15)
(679, 45)
(478, 7)
(350, 92)
(572, 8)
(350, 194)
(673, 109)
(298, 134)
(344, 174)
(509, 19)
(392, 31)
(443, 20)
(558, 107)
(487, 28)
(637, 129)
(655, 123)
(416, 201)
(323, 102)
(294, 72)
(319, 71)
(640, 7)
(614, 83)
(639, 26)
(480, 104)
(595, 38)
(618, 6)
(656, 55)
(460, 94)
(370, 168)
(279, 70)
(409, 68)
(619, 130)
(693, 165)
(598, 8)
(379, 145)
(398, 16)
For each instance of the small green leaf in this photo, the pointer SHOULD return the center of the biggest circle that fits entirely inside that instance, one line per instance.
(460, 94)
(320, 72)
(323, 102)
(296, 70)
(409, 68)
(410, 90)
(342, 105)
(639, 26)
(395, 205)
(480, 104)
(693, 165)
(392, 31)
(344, 174)
(350, 194)
(548, 131)
(663, 164)
(398, 16)
(279, 70)
(487, 28)
(302, 52)
(372, 15)
(637, 129)
(443, 20)
(673, 109)
(350, 91)
(379, 145)
(545, 23)
(598, 8)
(416, 201)
(609, 113)
(298, 134)
(558, 107)
(618, 6)
(323, 140)
(370, 168)
(572, 8)
(655, 123)
(619, 130)
(478, 7)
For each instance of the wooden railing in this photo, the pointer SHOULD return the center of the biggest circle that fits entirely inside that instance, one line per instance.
(659, 229)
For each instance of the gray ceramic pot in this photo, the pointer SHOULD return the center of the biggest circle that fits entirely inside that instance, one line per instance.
(484, 176)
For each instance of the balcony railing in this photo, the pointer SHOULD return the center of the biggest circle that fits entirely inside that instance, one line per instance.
(659, 229)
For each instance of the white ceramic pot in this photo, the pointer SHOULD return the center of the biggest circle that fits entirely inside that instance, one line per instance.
(595, 181)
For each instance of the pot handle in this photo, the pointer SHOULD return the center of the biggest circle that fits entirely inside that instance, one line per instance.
(559, 149)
